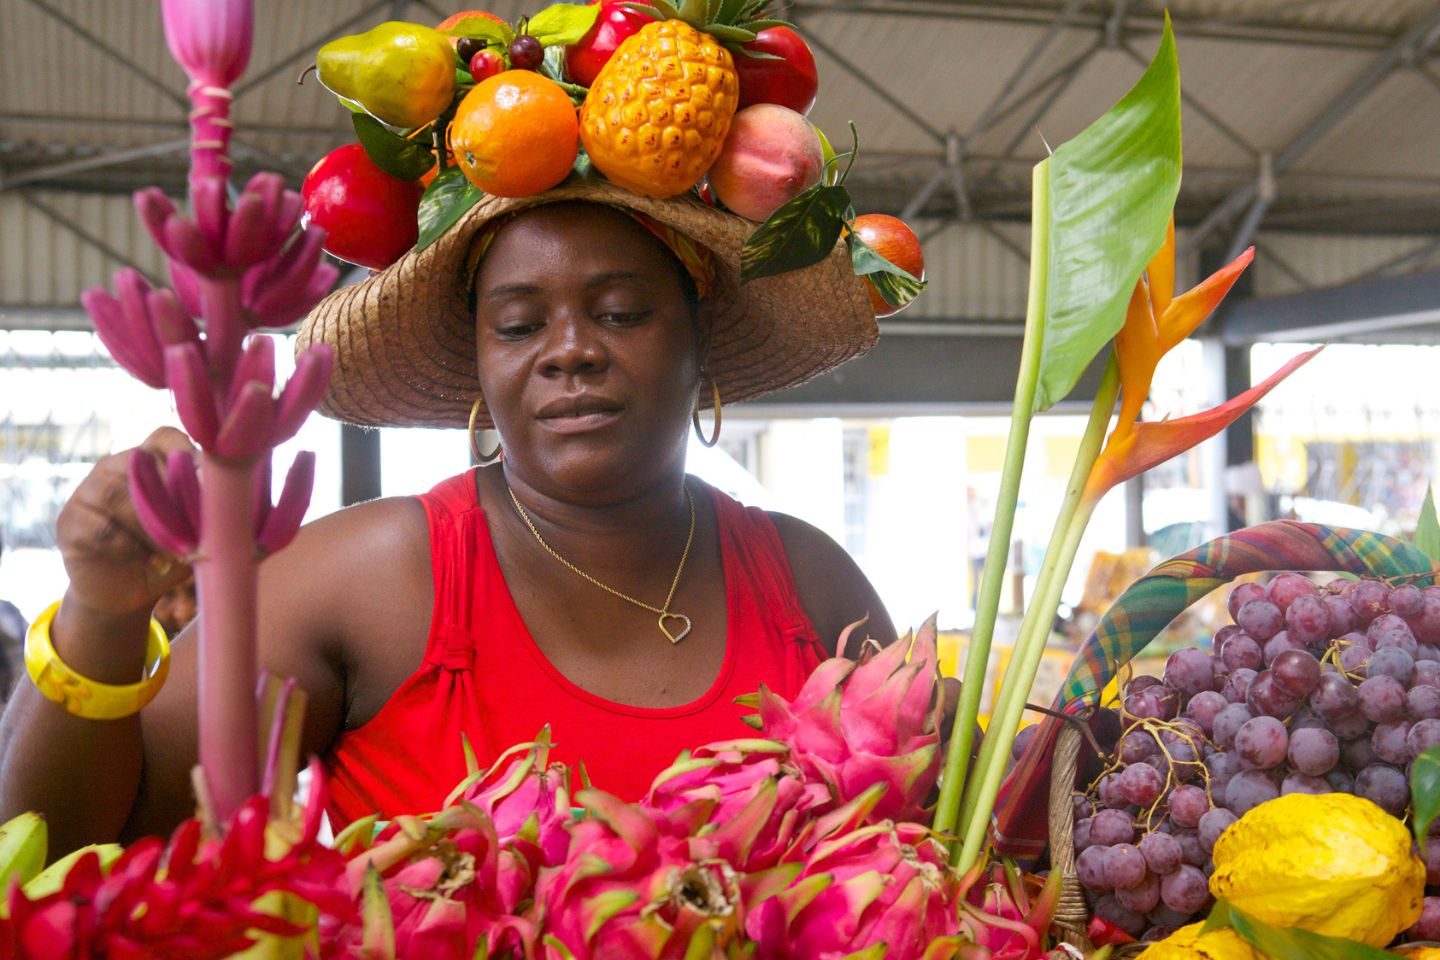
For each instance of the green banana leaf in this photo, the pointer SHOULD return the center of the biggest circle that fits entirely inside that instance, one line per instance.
(1111, 191)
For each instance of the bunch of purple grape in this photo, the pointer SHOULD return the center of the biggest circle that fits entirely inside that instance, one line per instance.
(1310, 690)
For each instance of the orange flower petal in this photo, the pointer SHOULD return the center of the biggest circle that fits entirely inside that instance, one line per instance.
(1160, 272)
(1185, 314)
(1150, 444)
(1137, 349)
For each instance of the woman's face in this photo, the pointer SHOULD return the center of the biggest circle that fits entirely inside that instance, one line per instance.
(587, 350)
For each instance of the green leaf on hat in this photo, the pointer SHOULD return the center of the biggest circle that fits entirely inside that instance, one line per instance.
(801, 232)
(895, 284)
(1425, 791)
(553, 67)
(445, 200)
(1427, 528)
(562, 23)
(406, 159)
(474, 26)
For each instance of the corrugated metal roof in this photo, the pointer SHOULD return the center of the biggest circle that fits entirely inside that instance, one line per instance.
(1265, 68)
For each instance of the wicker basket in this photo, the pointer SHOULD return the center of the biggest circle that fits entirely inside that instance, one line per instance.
(1356, 552)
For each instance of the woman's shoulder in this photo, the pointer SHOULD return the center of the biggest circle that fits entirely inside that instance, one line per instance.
(833, 589)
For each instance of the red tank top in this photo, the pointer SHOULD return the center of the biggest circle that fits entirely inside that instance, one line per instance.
(483, 674)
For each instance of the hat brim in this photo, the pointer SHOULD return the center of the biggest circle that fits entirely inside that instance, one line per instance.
(404, 339)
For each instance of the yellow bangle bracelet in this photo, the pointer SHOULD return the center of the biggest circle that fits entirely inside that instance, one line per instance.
(82, 696)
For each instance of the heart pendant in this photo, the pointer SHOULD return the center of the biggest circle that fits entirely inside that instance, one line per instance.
(673, 637)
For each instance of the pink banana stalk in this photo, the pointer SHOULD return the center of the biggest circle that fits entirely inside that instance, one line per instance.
(235, 268)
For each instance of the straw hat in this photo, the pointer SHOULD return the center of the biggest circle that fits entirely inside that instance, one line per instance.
(404, 339)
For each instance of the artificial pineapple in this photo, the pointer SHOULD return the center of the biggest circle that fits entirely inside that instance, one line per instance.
(657, 114)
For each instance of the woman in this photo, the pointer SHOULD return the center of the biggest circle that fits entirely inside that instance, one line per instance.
(582, 581)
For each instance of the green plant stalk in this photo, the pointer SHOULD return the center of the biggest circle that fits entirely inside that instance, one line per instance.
(1075, 512)
(977, 657)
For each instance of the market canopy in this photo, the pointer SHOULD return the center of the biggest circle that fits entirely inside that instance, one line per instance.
(1311, 128)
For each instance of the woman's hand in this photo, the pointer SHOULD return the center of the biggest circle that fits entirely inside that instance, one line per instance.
(115, 569)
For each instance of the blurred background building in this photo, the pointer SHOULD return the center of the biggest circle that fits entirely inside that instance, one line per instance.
(1311, 129)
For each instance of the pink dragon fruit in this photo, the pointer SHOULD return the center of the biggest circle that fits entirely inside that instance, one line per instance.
(632, 890)
(855, 724)
(529, 803)
(759, 801)
(437, 887)
(885, 885)
(1008, 917)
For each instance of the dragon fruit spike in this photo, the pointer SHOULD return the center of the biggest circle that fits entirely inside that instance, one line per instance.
(876, 721)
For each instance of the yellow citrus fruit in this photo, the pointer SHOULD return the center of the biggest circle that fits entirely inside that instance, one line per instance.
(1334, 864)
(1187, 944)
(1417, 952)
(515, 134)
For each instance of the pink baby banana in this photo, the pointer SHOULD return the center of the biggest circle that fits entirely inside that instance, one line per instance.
(163, 517)
(303, 391)
(282, 521)
(245, 432)
(256, 365)
(189, 380)
(128, 325)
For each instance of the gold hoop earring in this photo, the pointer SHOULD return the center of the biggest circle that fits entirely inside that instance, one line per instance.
(479, 455)
(714, 406)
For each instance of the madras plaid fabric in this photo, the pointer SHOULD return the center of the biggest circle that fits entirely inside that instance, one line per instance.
(1149, 605)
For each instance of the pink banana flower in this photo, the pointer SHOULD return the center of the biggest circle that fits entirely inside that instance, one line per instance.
(210, 39)
(192, 899)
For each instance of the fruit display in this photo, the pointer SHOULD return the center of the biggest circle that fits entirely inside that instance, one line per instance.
(1330, 690)
(664, 99)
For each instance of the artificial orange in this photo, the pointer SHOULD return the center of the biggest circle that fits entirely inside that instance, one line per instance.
(515, 134)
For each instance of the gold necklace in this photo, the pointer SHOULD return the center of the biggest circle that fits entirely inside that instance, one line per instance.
(665, 612)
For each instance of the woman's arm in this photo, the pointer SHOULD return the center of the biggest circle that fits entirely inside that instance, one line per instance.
(115, 779)
(833, 590)
(835, 593)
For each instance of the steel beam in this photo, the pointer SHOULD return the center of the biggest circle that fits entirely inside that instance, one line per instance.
(125, 62)
(1037, 50)
(1351, 310)
(1115, 23)
(1398, 53)
(307, 49)
(1272, 257)
(1264, 196)
(85, 235)
(1194, 103)
(877, 88)
(918, 373)
(115, 158)
(155, 123)
(1059, 82)
(1136, 23)
(1404, 263)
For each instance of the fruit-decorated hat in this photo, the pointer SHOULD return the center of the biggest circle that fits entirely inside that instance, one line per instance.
(404, 338)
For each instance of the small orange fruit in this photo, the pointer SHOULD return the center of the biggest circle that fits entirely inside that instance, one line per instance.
(515, 134)
(896, 242)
